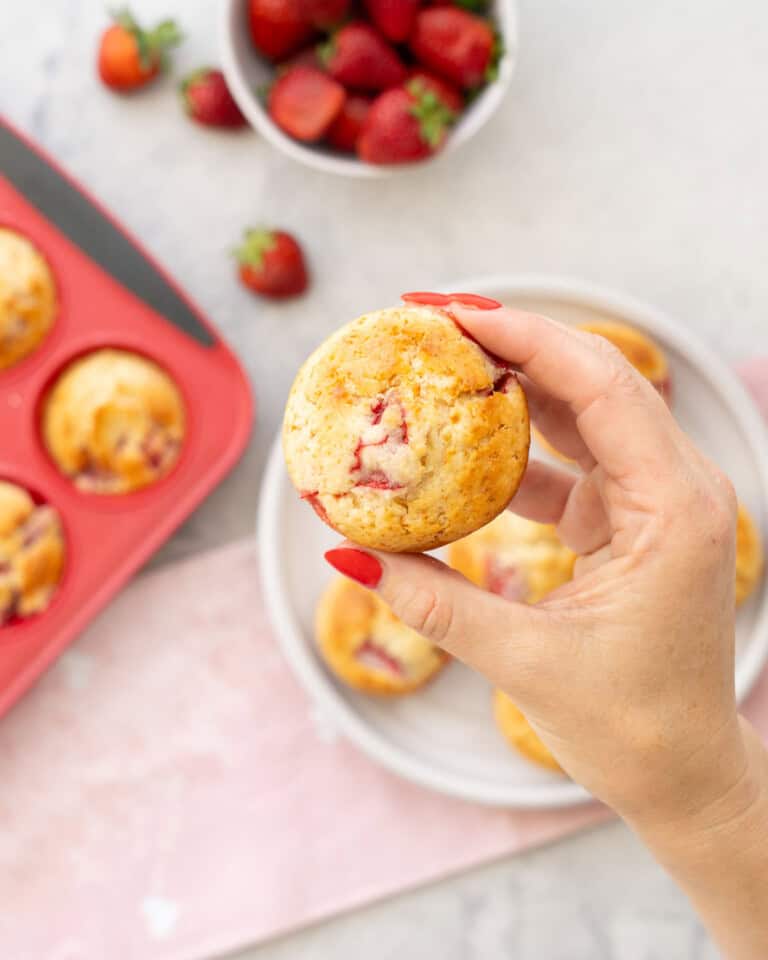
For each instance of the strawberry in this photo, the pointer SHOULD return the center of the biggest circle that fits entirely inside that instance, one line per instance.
(129, 56)
(451, 97)
(272, 263)
(304, 102)
(207, 99)
(403, 125)
(277, 27)
(359, 58)
(324, 14)
(304, 58)
(345, 129)
(394, 19)
(455, 44)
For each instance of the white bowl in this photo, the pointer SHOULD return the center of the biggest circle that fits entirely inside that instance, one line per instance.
(246, 73)
(444, 737)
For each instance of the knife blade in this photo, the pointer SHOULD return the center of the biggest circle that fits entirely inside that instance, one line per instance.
(87, 227)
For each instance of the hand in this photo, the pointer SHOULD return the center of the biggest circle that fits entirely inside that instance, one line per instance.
(626, 672)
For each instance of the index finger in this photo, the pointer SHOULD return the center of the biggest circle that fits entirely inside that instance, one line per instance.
(622, 419)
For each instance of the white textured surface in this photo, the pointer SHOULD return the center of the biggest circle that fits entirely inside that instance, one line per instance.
(631, 151)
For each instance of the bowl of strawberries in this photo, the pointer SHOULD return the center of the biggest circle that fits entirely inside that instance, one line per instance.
(368, 87)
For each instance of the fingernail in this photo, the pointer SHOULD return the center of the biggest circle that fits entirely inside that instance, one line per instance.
(429, 299)
(475, 300)
(355, 564)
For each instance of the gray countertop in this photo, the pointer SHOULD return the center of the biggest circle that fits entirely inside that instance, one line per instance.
(631, 151)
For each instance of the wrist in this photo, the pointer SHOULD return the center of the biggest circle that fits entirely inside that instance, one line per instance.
(718, 809)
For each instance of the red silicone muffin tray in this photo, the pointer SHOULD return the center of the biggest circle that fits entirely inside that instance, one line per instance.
(113, 295)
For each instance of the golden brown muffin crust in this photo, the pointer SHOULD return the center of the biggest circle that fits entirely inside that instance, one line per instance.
(114, 422)
(514, 558)
(749, 555)
(27, 297)
(403, 433)
(31, 553)
(366, 645)
(519, 733)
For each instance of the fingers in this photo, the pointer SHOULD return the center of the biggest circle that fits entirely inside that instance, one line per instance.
(490, 634)
(556, 422)
(543, 493)
(624, 423)
(584, 525)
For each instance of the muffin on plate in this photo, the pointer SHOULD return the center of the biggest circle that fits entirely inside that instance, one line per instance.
(367, 647)
(31, 553)
(515, 558)
(644, 354)
(519, 733)
(749, 555)
(27, 297)
(114, 422)
(402, 433)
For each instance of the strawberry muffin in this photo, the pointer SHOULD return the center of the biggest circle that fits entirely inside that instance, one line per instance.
(367, 647)
(402, 433)
(31, 553)
(514, 558)
(749, 556)
(519, 733)
(644, 354)
(27, 297)
(114, 422)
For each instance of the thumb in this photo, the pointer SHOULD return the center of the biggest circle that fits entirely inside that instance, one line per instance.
(502, 640)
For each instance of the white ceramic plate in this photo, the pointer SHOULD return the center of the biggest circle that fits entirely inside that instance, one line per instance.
(444, 736)
(247, 73)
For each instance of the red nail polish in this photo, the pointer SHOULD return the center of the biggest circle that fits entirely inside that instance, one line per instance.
(474, 300)
(355, 564)
(429, 299)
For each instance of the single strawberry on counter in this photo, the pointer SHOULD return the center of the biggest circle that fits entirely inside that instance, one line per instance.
(278, 28)
(455, 44)
(304, 102)
(272, 263)
(207, 99)
(324, 14)
(129, 56)
(403, 125)
(394, 19)
(345, 130)
(450, 95)
(362, 60)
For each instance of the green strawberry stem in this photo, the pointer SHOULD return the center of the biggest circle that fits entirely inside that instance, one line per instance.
(326, 51)
(255, 244)
(433, 115)
(191, 79)
(153, 44)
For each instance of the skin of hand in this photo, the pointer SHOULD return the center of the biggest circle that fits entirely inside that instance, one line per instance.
(627, 672)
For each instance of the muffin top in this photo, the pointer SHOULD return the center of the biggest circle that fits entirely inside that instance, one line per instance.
(749, 555)
(519, 733)
(27, 297)
(515, 558)
(367, 646)
(403, 433)
(31, 553)
(644, 354)
(114, 422)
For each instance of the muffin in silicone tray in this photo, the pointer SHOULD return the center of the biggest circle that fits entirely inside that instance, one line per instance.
(122, 418)
(27, 297)
(113, 422)
(31, 553)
